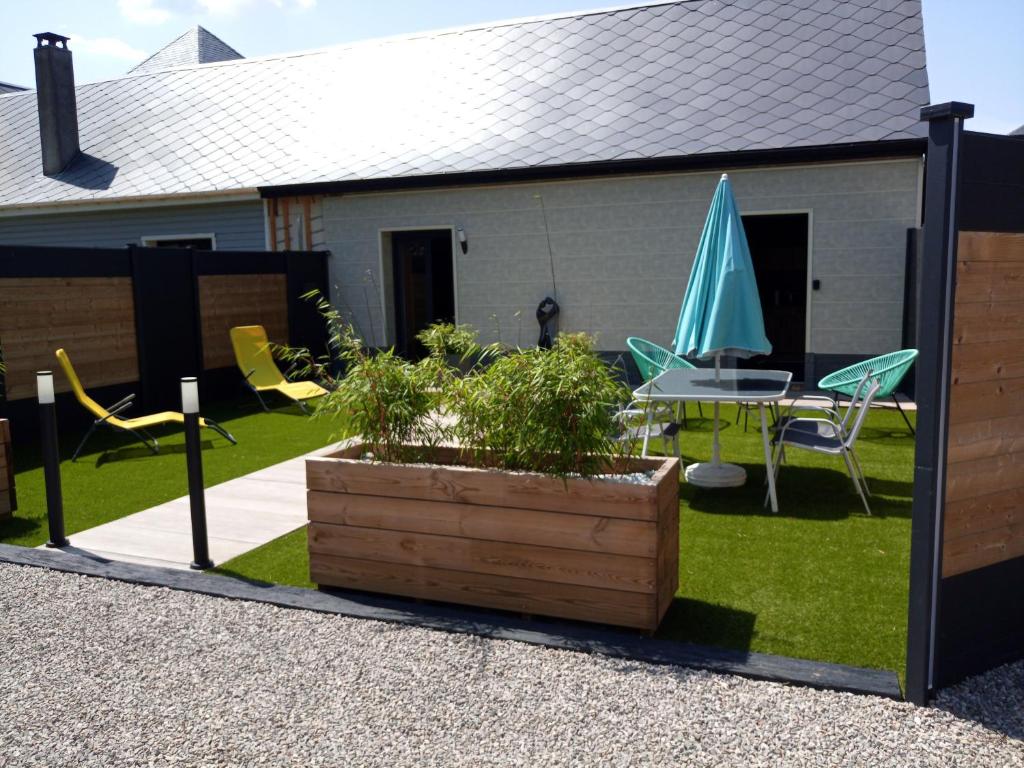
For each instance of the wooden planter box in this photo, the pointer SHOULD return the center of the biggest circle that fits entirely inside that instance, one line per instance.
(8, 500)
(593, 550)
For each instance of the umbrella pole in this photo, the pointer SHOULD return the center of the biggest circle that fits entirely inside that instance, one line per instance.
(715, 455)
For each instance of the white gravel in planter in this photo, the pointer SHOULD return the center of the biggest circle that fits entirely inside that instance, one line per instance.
(95, 672)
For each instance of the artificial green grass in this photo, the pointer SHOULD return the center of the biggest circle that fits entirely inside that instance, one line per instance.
(820, 580)
(118, 476)
(284, 560)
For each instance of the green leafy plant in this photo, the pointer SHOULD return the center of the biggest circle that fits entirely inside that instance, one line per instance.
(387, 400)
(539, 410)
(551, 411)
(444, 340)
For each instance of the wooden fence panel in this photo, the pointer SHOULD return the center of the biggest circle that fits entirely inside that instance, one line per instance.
(985, 480)
(93, 318)
(226, 301)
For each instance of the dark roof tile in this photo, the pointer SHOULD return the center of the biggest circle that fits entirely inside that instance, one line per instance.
(664, 80)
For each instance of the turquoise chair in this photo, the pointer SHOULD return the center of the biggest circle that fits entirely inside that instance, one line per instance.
(652, 360)
(888, 370)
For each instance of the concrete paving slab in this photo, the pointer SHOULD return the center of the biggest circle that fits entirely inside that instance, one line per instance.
(241, 515)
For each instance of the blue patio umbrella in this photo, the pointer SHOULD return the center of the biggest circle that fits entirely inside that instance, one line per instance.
(721, 312)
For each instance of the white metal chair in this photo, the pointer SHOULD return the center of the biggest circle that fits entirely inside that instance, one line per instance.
(634, 425)
(833, 435)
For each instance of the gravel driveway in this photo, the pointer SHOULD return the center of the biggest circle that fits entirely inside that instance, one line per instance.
(95, 672)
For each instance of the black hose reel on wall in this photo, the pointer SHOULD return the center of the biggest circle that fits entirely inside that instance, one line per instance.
(547, 314)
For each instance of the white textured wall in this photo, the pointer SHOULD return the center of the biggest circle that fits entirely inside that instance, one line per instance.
(623, 249)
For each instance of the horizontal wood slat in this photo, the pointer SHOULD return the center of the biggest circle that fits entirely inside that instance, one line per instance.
(226, 301)
(988, 361)
(974, 440)
(92, 318)
(486, 487)
(990, 246)
(980, 400)
(966, 479)
(985, 457)
(629, 609)
(976, 550)
(984, 512)
(619, 572)
(528, 526)
(989, 281)
(593, 550)
(988, 321)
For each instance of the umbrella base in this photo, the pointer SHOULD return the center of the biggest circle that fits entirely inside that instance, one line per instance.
(708, 475)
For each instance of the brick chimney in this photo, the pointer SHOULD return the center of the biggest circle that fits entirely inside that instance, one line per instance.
(55, 94)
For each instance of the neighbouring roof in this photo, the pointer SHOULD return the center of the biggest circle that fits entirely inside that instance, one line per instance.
(11, 87)
(656, 81)
(196, 46)
(1017, 131)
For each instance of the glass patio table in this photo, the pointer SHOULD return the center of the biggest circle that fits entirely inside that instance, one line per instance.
(730, 385)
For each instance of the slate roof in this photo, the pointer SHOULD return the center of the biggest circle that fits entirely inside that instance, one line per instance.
(657, 81)
(1017, 131)
(10, 88)
(196, 46)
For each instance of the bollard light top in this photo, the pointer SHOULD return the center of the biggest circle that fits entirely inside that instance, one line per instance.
(44, 387)
(189, 395)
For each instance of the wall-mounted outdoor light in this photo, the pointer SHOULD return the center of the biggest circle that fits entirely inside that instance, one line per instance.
(463, 242)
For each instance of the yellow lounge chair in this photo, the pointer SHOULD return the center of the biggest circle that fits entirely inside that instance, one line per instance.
(110, 416)
(261, 374)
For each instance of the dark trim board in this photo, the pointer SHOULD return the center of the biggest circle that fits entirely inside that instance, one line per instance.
(982, 621)
(47, 261)
(992, 183)
(551, 634)
(871, 150)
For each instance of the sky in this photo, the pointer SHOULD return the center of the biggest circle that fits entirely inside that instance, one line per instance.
(973, 47)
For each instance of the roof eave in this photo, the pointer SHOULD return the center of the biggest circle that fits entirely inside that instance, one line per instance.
(136, 201)
(869, 150)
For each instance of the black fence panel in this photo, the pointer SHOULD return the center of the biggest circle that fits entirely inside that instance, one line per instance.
(164, 286)
(966, 614)
(166, 324)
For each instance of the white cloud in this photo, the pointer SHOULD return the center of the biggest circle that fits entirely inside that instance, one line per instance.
(143, 11)
(108, 47)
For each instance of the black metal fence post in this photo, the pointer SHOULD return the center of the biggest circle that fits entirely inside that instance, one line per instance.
(934, 331)
(194, 460)
(51, 459)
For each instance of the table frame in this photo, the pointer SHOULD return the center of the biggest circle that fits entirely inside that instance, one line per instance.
(659, 389)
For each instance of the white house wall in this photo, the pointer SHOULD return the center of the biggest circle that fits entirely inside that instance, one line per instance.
(623, 246)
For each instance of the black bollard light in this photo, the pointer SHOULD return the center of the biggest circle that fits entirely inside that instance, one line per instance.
(51, 459)
(194, 459)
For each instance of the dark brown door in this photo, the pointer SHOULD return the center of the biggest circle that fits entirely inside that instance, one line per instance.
(778, 248)
(424, 285)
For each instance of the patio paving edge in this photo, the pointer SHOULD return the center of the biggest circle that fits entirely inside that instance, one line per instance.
(548, 633)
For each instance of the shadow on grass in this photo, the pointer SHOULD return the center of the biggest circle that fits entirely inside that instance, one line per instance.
(132, 452)
(810, 493)
(695, 621)
(889, 437)
(16, 527)
(221, 571)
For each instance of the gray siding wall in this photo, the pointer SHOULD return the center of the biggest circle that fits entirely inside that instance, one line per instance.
(623, 249)
(237, 225)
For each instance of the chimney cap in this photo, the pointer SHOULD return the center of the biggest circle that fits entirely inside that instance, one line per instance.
(51, 38)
